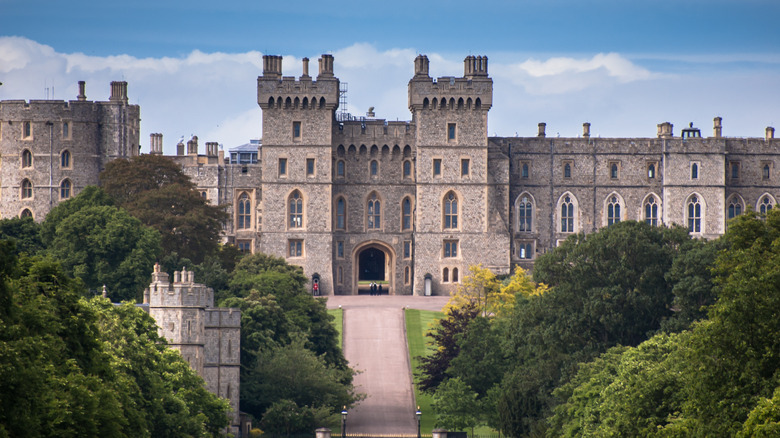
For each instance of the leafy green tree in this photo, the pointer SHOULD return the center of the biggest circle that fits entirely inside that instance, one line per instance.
(103, 245)
(91, 196)
(434, 369)
(456, 405)
(154, 189)
(24, 232)
(480, 343)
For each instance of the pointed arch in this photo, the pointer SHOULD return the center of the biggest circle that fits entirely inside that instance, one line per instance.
(435, 103)
(407, 151)
(27, 189)
(765, 203)
(65, 159)
(66, 188)
(525, 209)
(468, 103)
(322, 102)
(613, 209)
(373, 211)
(695, 213)
(27, 158)
(352, 150)
(295, 211)
(443, 103)
(243, 211)
(426, 103)
(460, 103)
(279, 102)
(651, 209)
(568, 213)
(478, 104)
(288, 102)
(305, 103)
(735, 206)
(271, 102)
(297, 102)
(341, 214)
(450, 211)
(374, 150)
(452, 103)
(340, 150)
(26, 213)
(407, 213)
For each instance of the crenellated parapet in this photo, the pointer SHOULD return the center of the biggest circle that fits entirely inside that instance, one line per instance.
(275, 91)
(472, 92)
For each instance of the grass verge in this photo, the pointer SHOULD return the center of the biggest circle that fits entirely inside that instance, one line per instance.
(418, 322)
(338, 322)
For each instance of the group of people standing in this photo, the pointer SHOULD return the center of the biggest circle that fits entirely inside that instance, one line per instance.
(375, 289)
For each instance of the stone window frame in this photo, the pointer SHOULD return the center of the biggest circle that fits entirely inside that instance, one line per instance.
(407, 213)
(407, 249)
(614, 209)
(437, 167)
(407, 276)
(614, 169)
(296, 211)
(450, 249)
(465, 167)
(651, 168)
(445, 274)
(340, 276)
(526, 225)
(405, 174)
(525, 169)
(452, 132)
(311, 167)
(66, 159)
(295, 248)
(27, 159)
(341, 168)
(66, 189)
(243, 211)
(282, 167)
(340, 249)
(244, 245)
(373, 168)
(374, 211)
(647, 207)
(26, 212)
(695, 213)
(567, 174)
(27, 191)
(766, 170)
(695, 168)
(449, 214)
(67, 130)
(735, 206)
(27, 130)
(297, 131)
(525, 249)
(735, 168)
(765, 203)
(572, 224)
(340, 215)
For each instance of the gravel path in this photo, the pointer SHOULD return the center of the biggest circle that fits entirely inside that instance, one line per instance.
(375, 345)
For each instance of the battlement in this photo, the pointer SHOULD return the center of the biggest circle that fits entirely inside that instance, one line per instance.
(183, 292)
(473, 91)
(223, 317)
(275, 91)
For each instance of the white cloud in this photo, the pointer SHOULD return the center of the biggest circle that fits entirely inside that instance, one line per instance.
(213, 95)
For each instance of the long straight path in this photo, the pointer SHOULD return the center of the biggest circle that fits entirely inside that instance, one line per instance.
(375, 345)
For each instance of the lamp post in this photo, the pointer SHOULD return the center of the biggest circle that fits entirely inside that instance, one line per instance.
(344, 422)
(418, 414)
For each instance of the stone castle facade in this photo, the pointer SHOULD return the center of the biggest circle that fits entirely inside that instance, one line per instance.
(415, 203)
(208, 337)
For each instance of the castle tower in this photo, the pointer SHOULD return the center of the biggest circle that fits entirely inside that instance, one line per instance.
(298, 123)
(461, 197)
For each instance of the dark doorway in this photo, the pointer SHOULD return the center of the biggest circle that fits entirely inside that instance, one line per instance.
(372, 265)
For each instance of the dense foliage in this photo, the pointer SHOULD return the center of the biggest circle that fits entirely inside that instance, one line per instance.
(76, 367)
(611, 289)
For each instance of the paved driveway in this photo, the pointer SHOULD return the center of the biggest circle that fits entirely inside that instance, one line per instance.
(375, 345)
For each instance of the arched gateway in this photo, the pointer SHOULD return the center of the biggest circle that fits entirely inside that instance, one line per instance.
(373, 261)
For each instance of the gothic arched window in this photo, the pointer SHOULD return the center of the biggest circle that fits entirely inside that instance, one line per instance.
(244, 216)
(295, 210)
(450, 211)
(765, 204)
(65, 159)
(374, 212)
(694, 215)
(407, 169)
(651, 211)
(735, 207)
(65, 187)
(524, 214)
(27, 189)
(613, 210)
(26, 158)
(567, 215)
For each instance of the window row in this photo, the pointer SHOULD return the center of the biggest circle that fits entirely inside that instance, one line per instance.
(736, 169)
(460, 104)
(27, 130)
(27, 159)
(567, 211)
(26, 189)
(651, 169)
(450, 275)
(373, 169)
(304, 103)
(465, 167)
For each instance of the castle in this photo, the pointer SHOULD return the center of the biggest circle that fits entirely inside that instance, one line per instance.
(411, 203)
(208, 338)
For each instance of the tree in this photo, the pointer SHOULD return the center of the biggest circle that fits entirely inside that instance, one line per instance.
(154, 189)
(482, 289)
(24, 232)
(456, 405)
(104, 245)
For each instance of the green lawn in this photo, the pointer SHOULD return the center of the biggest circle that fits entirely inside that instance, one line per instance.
(338, 322)
(418, 322)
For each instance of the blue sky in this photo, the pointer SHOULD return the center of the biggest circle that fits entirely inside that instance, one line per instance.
(622, 65)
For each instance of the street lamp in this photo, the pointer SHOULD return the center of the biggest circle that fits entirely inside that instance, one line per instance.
(418, 414)
(344, 422)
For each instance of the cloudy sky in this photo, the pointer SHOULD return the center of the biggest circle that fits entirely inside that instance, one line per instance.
(624, 66)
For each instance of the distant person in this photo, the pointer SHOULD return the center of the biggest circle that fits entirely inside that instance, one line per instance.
(316, 289)
(380, 289)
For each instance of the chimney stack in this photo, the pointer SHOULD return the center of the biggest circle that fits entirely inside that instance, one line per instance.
(586, 130)
(665, 130)
(770, 133)
(305, 68)
(118, 91)
(717, 127)
(82, 87)
(542, 127)
(272, 66)
(326, 66)
(192, 146)
(421, 66)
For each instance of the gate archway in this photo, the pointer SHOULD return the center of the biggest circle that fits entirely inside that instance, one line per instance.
(373, 261)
